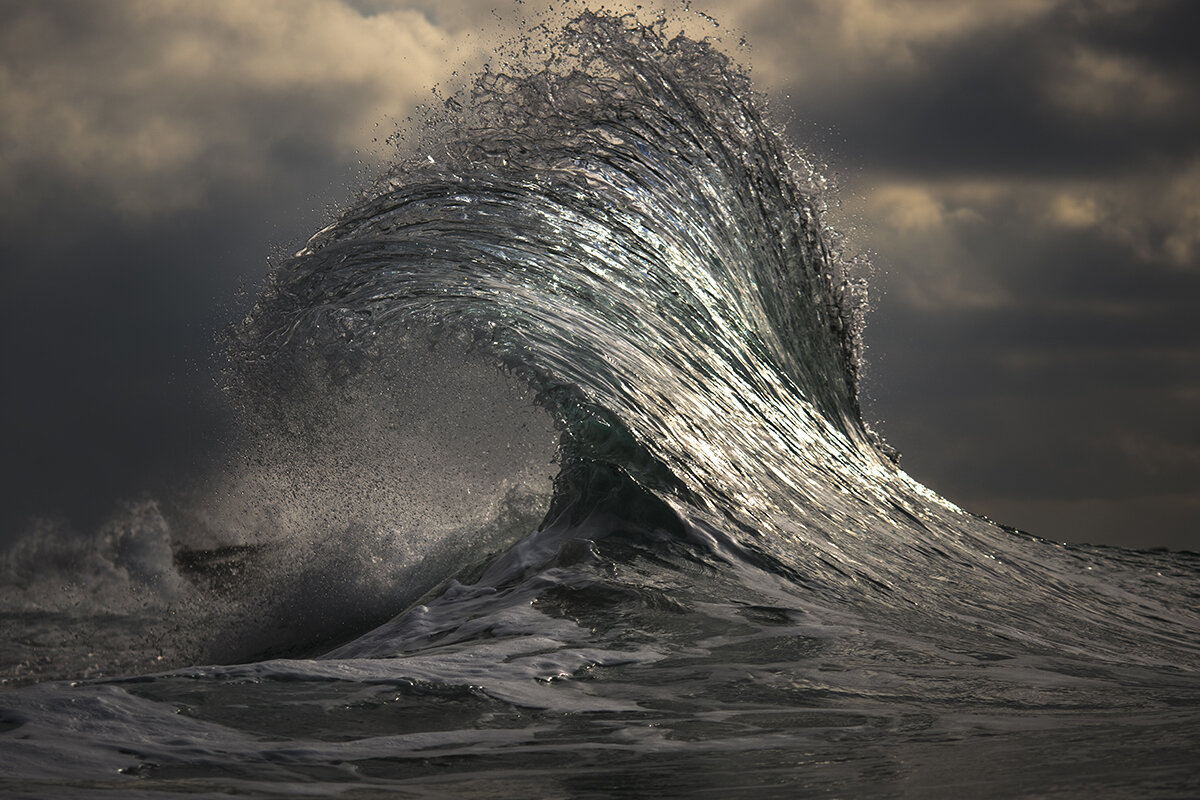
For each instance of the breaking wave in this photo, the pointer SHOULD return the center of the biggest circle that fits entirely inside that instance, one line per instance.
(609, 258)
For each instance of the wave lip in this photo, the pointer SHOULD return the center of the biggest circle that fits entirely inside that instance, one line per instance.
(622, 226)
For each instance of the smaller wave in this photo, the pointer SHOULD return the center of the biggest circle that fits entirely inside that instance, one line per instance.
(126, 563)
(76, 604)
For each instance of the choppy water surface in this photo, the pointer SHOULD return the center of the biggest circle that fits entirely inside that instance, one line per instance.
(609, 260)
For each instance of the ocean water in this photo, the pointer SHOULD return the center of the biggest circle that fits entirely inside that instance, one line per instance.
(552, 482)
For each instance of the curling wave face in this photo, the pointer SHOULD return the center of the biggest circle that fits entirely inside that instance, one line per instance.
(622, 228)
(733, 587)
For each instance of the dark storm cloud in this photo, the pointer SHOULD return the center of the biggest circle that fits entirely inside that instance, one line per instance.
(1067, 376)
(109, 340)
(1058, 88)
(1022, 103)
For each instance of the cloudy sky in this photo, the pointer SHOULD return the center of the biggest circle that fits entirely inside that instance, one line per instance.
(1025, 175)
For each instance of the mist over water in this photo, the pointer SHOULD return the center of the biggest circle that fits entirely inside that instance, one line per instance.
(602, 256)
(344, 500)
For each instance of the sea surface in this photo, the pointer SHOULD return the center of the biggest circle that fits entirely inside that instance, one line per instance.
(552, 481)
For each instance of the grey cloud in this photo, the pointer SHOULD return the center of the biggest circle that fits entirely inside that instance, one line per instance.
(154, 104)
(963, 241)
(1012, 87)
